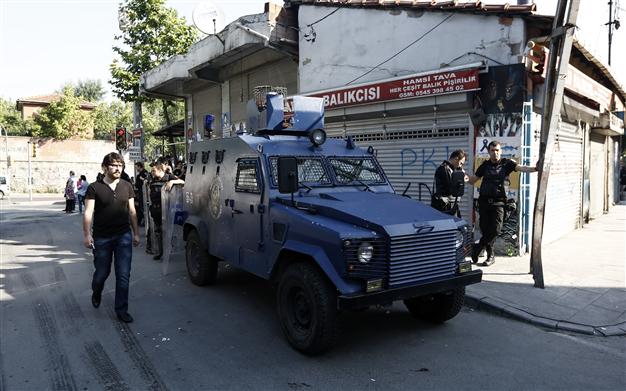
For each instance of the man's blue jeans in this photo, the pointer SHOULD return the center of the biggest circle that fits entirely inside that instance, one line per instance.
(119, 248)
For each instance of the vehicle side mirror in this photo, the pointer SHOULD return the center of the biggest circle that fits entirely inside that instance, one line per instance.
(457, 188)
(287, 175)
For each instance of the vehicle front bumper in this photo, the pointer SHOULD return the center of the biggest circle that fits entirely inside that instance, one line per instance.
(361, 300)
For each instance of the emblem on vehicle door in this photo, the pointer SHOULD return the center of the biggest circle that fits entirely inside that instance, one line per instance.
(215, 200)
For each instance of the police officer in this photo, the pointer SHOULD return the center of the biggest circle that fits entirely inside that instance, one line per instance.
(442, 197)
(492, 198)
(159, 179)
(141, 176)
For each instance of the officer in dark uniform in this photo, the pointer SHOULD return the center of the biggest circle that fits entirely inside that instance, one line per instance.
(141, 175)
(492, 198)
(159, 179)
(442, 197)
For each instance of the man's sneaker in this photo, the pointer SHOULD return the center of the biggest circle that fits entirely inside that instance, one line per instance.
(96, 297)
(157, 257)
(490, 260)
(125, 317)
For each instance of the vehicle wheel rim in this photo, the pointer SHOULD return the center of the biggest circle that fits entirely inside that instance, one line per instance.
(300, 309)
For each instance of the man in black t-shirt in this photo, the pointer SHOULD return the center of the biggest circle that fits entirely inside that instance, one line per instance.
(442, 197)
(110, 204)
(492, 198)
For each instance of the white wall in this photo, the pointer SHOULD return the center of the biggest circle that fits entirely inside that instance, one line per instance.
(352, 41)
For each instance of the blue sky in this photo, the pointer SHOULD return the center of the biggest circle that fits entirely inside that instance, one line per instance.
(46, 43)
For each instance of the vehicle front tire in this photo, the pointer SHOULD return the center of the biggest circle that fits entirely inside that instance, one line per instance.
(307, 308)
(437, 308)
(201, 267)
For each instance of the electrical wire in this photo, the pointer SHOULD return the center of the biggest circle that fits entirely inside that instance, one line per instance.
(322, 18)
(403, 49)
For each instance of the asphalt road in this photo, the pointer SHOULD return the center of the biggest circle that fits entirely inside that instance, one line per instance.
(227, 337)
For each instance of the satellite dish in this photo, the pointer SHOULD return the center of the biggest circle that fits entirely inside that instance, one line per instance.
(208, 18)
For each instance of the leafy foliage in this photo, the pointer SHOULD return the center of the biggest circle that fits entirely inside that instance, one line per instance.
(108, 116)
(90, 90)
(11, 120)
(64, 118)
(151, 33)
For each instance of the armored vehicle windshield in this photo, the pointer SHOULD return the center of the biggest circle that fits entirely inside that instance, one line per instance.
(321, 171)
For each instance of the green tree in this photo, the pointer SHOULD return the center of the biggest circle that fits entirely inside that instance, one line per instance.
(11, 120)
(108, 116)
(151, 33)
(64, 118)
(90, 90)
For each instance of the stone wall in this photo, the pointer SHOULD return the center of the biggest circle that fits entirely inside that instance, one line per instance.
(54, 160)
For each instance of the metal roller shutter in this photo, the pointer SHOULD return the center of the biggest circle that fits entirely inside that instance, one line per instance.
(564, 194)
(410, 148)
(597, 175)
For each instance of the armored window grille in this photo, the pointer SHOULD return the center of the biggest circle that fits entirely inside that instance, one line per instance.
(348, 170)
(310, 171)
(247, 180)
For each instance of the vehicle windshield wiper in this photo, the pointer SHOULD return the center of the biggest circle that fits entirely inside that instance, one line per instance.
(367, 188)
(308, 188)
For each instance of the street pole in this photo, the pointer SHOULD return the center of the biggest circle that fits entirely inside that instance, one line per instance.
(137, 121)
(6, 149)
(560, 49)
(610, 28)
(30, 180)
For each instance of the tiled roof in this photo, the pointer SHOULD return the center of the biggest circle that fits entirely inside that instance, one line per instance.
(44, 100)
(454, 5)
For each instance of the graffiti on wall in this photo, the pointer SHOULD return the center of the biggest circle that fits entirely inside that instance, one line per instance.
(421, 159)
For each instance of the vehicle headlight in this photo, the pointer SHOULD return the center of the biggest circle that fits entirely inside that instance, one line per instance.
(365, 252)
(458, 242)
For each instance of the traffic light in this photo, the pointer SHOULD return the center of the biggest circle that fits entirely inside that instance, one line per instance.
(120, 138)
(34, 146)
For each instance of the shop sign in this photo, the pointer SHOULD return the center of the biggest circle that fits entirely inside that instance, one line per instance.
(407, 87)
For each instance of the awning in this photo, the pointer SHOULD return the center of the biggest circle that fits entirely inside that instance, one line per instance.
(177, 129)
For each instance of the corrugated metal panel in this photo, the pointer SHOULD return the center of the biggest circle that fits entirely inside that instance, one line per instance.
(564, 195)
(410, 148)
(597, 174)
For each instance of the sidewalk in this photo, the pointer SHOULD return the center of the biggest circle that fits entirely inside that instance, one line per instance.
(584, 279)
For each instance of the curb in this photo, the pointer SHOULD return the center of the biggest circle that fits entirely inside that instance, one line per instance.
(500, 308)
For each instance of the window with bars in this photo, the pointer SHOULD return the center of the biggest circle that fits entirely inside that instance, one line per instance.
(311, 171)
(247, 179)
(350, 169)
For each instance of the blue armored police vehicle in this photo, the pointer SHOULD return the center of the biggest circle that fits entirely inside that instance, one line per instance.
(320, 219)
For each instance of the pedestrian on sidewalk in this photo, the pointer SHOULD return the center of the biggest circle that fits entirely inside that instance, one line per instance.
(71, 187)
(83, 184)
(492, 198)
(442, 198)
(110, 204)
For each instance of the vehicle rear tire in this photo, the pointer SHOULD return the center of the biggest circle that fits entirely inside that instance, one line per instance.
(1, 195)
(307, 308)
(201, 267)
(437, 308)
